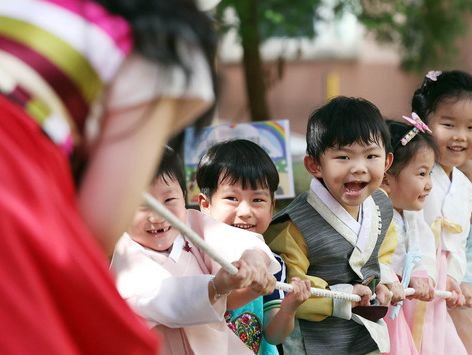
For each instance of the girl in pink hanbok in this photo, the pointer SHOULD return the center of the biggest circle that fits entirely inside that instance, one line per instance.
(444, 101)
(408, 183)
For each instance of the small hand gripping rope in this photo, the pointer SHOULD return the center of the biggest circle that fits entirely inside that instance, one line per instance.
(198, 241)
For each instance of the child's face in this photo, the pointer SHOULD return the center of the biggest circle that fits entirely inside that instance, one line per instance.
(150, 229)
(351, 173)
(451, 124)
(242, 208)
(408, 190)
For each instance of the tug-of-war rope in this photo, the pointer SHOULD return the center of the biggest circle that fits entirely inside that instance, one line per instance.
(198, 241)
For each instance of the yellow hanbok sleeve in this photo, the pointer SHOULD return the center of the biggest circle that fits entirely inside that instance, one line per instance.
(388, 246)
(287, 241)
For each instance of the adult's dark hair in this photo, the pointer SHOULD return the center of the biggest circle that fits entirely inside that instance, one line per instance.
(171, 167)
(158, 25)
(233, 161)
(402, 154)
(344, 121)
(449, 85)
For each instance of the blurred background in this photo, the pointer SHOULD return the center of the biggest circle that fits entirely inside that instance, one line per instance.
(281, 59)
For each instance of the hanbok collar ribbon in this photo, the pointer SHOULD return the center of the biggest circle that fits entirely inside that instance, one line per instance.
(442, 223)
(418, 126)
(412, 258)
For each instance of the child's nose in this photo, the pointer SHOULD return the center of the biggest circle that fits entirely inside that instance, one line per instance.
(154, 218)
(428, 186)
(244, 209)
(358, 167)
(460, 134)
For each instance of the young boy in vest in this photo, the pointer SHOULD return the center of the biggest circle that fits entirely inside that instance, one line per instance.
(331, 234)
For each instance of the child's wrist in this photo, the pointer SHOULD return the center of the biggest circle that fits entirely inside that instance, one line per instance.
(217, 293)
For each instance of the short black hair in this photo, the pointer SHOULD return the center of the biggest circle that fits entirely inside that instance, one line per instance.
(402, 154)
(454, 84)
(171, 167)
(344, 121)
(233, 161)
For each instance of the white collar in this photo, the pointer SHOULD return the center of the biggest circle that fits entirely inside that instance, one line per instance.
(177, 248)
(174, 254)
(325, 196)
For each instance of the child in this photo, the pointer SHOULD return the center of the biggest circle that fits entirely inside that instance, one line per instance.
(332, 233)
(168, 281)
(444, 102)
(407, 182)
(462, 317)
(238, 180)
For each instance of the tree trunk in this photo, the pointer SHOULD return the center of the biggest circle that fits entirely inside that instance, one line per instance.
(253, 71)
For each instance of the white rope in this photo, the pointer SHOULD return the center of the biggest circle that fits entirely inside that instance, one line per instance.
(437, 293)
(198, 241)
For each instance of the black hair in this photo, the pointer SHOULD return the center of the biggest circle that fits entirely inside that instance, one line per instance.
(453, 84)
(344, 121)
(233, 161)
(158, 25)
(402, 154)
(171, 167)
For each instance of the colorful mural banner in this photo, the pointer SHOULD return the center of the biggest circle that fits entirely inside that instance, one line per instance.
(272, 136)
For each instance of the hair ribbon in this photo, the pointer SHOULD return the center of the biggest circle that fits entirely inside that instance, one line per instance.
(418, 126)
(433, 74)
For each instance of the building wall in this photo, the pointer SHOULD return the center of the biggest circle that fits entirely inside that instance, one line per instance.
(375, 74)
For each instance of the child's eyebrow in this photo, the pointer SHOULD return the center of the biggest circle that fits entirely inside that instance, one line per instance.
(373, 146)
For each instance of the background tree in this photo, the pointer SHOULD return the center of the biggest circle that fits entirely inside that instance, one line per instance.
(425, 31)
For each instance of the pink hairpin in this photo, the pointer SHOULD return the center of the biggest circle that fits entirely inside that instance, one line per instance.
(418, 126)
(433, 74)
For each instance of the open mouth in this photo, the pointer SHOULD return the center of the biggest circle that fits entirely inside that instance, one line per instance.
(158, 231)
(354, 186)
(244, 226)
(456, 149)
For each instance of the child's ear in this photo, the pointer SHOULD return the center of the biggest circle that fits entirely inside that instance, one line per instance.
(386, 183)
(203, 202)
(311, 166)
(388, 161)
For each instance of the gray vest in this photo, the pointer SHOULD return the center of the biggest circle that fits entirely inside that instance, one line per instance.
(329, 254)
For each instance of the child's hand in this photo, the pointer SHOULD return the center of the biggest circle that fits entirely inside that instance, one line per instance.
(365, 294)
(467, 292)
(301, 292)
(384, 295)
(262, 282)
(424, 288)
(457, 298)
(225, 282)
(398, 292)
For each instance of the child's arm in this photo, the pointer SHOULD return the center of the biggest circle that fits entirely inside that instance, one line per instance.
(287, 241)
(279, 322)
(388, 276)
(424, 287)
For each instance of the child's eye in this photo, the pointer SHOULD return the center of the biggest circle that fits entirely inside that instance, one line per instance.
(230, 198)
(342, 157)
(259, 200)
(448, 125)
(422, 173)
(373, 156)
(170, 199)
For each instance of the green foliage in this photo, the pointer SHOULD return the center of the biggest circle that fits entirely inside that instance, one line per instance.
(425, 31)
(276, 18)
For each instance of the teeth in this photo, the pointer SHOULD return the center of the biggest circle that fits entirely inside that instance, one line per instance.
(243, 226)
(457, 149)
(156, 231)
